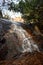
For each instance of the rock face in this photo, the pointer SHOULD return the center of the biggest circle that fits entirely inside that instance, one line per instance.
(26, 59)
(3, 45)
(7, 42)
(15, 41)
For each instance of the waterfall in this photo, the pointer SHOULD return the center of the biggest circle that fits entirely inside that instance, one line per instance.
(17, 39)
(26, 43)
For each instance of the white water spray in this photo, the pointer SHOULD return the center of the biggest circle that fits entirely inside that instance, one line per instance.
(17, 39)
(25, 40)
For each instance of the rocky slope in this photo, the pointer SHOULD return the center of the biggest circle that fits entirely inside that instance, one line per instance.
(26, 59)
(10, 51)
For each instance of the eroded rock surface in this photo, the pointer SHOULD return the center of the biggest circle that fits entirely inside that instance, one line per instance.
(15, 41)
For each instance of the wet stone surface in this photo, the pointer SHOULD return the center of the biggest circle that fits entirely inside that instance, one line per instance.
(12, 41)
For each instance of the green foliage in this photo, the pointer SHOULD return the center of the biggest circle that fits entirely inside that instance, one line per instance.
(14, 7)
(35, 10)
(32, 10)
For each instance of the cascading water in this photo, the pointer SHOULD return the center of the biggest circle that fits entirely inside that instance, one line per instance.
(23, 43)
(25, 40)
(17, 39)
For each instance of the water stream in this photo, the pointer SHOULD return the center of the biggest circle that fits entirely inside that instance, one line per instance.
(17, 39)
(25, 40)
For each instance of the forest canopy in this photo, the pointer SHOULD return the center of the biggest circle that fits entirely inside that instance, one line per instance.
(32, 10)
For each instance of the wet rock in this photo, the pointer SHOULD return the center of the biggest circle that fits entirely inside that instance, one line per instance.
(15, 41)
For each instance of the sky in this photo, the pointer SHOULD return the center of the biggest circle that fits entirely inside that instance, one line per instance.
(15, 1)
(1, 2)
(11, 14)
(5, 11)
(7, 1)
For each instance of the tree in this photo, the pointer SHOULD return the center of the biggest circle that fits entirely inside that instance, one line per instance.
(32, 10)
(14, 6)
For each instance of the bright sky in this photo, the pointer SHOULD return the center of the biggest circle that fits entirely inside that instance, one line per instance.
(11, 13)
(7, 1)
(1, 2)
(15, 1)
(5, 11)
